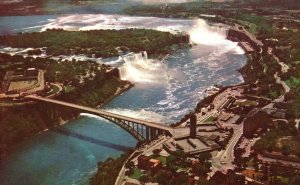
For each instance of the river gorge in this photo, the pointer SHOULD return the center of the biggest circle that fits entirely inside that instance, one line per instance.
(164, 91)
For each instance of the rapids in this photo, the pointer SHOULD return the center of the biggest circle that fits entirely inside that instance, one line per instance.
(164, 91)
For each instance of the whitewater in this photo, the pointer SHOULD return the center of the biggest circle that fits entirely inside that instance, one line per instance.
(164, 91)
(181, 77)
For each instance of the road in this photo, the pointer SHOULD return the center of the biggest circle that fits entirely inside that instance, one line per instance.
(223, 160)
(284, 69)
(286, 89)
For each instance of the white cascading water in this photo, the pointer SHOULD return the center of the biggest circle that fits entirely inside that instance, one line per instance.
(138, 68)
(183, 77)
(216, 35)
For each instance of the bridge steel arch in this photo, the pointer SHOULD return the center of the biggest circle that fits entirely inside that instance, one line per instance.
(139, 129)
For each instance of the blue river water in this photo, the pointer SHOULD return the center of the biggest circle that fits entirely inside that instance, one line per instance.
(163, 92)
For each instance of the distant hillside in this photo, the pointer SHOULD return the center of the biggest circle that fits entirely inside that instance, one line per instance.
(290, 4)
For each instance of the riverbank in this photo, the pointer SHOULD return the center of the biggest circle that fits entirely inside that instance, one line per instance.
(237, 36)
(85, 83)
(96, 43)
(16, 119)
(119, 91)
(205, 101)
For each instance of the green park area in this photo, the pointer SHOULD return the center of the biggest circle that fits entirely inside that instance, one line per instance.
(136, 174)
(284, 138)
(210, 119)
(101, 43)
(293, 82)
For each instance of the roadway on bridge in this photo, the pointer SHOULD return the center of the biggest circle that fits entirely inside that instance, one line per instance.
(102, 113)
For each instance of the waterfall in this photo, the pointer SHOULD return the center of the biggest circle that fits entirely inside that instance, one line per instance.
(213, 35)
(219, 29)
(138, 68)
(202, 33)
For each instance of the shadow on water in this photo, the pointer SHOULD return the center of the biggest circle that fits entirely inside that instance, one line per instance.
(71, 133)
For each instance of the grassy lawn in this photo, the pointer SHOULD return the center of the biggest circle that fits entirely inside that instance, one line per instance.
(210, 119)
(69, 88)
(250, 162)
(252, 27)
(246, 103)
(163, 160)
(296, 62)
(273, 94)
(137, 173)
(16, 85)
(293, 82)
(283, 180)
(55, 89)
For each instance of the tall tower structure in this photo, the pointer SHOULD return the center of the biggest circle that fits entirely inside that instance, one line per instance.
(193, 125)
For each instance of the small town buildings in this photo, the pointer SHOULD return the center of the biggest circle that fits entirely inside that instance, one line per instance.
(255, 119)
(146, 163)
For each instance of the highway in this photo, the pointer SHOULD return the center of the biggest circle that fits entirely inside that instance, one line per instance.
(228, 155)
(101, 112)
(223, 160)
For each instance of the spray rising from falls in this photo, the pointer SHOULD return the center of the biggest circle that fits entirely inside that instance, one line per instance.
(202, 33)
(213, 35)
(138, 68)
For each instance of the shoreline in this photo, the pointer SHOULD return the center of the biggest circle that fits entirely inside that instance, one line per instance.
(185, 117)
(222, 89)
(119, 92)
(60, 121)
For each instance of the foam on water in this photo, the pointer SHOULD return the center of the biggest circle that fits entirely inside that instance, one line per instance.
(23, 52)
(183, 76)
(139, 114)
(200, 32)
(138, 68)
(186, 73)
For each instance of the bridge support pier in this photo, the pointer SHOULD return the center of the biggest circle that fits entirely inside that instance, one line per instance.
(148, 133)
(160, 132)
(153, 133)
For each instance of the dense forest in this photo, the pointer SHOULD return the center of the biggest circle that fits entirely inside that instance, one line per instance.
(101, 43)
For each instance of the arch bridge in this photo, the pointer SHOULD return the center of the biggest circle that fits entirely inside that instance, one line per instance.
(140, 129)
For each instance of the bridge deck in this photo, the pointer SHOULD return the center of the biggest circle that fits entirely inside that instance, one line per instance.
(101, 112)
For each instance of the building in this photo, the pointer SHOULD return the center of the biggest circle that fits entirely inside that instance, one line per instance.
(193, 126)
(255, 119)
(32, 72)
(213, 137)
(146, 163)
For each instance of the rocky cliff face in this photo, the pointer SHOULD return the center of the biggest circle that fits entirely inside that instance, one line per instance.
(17, 124)
(236, 35)
(20, 123)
